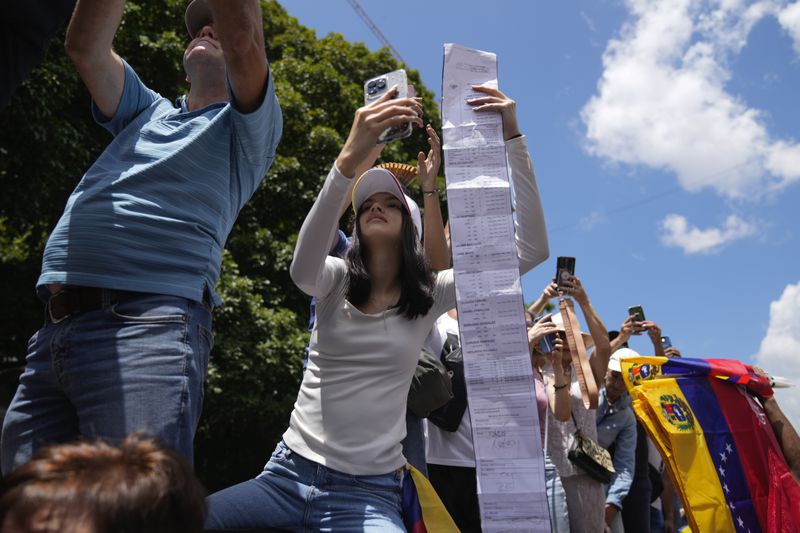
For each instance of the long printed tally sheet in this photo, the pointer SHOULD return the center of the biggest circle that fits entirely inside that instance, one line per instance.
(497, 365)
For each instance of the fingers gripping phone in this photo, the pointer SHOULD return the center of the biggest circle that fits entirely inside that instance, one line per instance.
(565, 269)
(637, 312)
(376, 87)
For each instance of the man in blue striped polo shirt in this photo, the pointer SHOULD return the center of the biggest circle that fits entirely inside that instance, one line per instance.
(129, 271)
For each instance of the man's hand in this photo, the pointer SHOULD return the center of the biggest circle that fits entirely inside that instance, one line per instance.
(369, 122)
(497, 101)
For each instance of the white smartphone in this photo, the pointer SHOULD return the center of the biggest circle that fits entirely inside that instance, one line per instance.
(374, 88)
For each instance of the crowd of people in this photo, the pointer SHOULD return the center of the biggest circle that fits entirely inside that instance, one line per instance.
(128, 281)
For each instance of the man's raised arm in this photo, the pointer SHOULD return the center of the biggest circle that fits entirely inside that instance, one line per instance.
(239, 26)
(89, 38)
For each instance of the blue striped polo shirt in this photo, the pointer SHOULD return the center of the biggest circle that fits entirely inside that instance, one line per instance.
(152, 214)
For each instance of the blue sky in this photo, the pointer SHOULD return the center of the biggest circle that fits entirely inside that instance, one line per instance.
(665, 139)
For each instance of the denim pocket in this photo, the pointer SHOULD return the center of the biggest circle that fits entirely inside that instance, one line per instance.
(151, 310)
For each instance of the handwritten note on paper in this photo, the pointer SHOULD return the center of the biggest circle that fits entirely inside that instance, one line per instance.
(497, 367)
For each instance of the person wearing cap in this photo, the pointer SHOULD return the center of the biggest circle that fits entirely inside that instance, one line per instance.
(435, 248)
(585, 498)
(552, 390)
(339, 466)
(616, 432)
(129, 271)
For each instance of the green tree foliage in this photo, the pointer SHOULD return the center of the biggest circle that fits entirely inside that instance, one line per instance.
(48, 140)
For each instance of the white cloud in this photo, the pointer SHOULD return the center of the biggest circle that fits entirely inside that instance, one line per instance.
(676, 231)
(780, 349)
(662, 99)
(789, 18)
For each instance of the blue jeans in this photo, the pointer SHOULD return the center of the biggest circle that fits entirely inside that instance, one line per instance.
(135, 365)
(556, 498)
(296, 494)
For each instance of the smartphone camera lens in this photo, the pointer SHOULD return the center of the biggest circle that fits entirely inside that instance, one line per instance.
(371, 84)
(381, 83)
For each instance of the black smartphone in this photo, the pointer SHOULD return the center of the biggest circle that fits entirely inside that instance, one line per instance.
(637, 311)
(665, 342)
(565, 269)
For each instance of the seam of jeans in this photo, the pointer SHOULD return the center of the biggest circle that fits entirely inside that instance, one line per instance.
(186, 350)
(147, 319)
(307, 513)
(57, 350)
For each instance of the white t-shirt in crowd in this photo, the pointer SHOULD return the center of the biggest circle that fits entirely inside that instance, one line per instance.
(450, 448)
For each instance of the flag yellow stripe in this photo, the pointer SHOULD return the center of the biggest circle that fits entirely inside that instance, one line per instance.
(434, 514)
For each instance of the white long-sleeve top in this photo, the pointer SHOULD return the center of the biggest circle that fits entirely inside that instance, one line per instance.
(350, 411)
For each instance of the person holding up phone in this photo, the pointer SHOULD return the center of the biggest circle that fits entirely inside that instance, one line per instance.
(585, 496)
(633, 325)
(555, 395)
(339, 466)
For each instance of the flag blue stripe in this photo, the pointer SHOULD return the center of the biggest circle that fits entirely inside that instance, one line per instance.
(722, 447)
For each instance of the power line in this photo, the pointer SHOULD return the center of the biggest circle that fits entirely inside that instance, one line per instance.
(646, 200)
(375, 30)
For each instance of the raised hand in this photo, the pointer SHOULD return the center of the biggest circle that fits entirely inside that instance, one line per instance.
(540, 330)
(496, 100)
(428, 167)
(572, 286)
(369, 122)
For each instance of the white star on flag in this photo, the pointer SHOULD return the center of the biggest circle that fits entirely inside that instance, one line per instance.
(721, 471)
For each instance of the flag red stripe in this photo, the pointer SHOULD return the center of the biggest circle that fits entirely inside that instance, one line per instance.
(755, 443)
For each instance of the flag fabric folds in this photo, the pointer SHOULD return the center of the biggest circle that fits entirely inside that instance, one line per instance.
(716, 441)
(423, 511)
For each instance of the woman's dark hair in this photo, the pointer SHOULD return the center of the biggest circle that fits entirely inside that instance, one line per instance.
(136, 486)
(416, 278)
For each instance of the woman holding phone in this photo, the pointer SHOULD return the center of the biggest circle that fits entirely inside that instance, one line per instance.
(339, 466)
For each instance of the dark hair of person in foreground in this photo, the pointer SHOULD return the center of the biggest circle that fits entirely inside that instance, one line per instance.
(136, 486)
(416, 278)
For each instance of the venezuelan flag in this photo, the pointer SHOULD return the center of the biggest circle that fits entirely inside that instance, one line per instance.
(423, 511)
(716, 442)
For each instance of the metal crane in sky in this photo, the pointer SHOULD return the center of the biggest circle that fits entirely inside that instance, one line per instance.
(371, 25)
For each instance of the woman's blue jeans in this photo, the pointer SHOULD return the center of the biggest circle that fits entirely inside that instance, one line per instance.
(296, 494)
